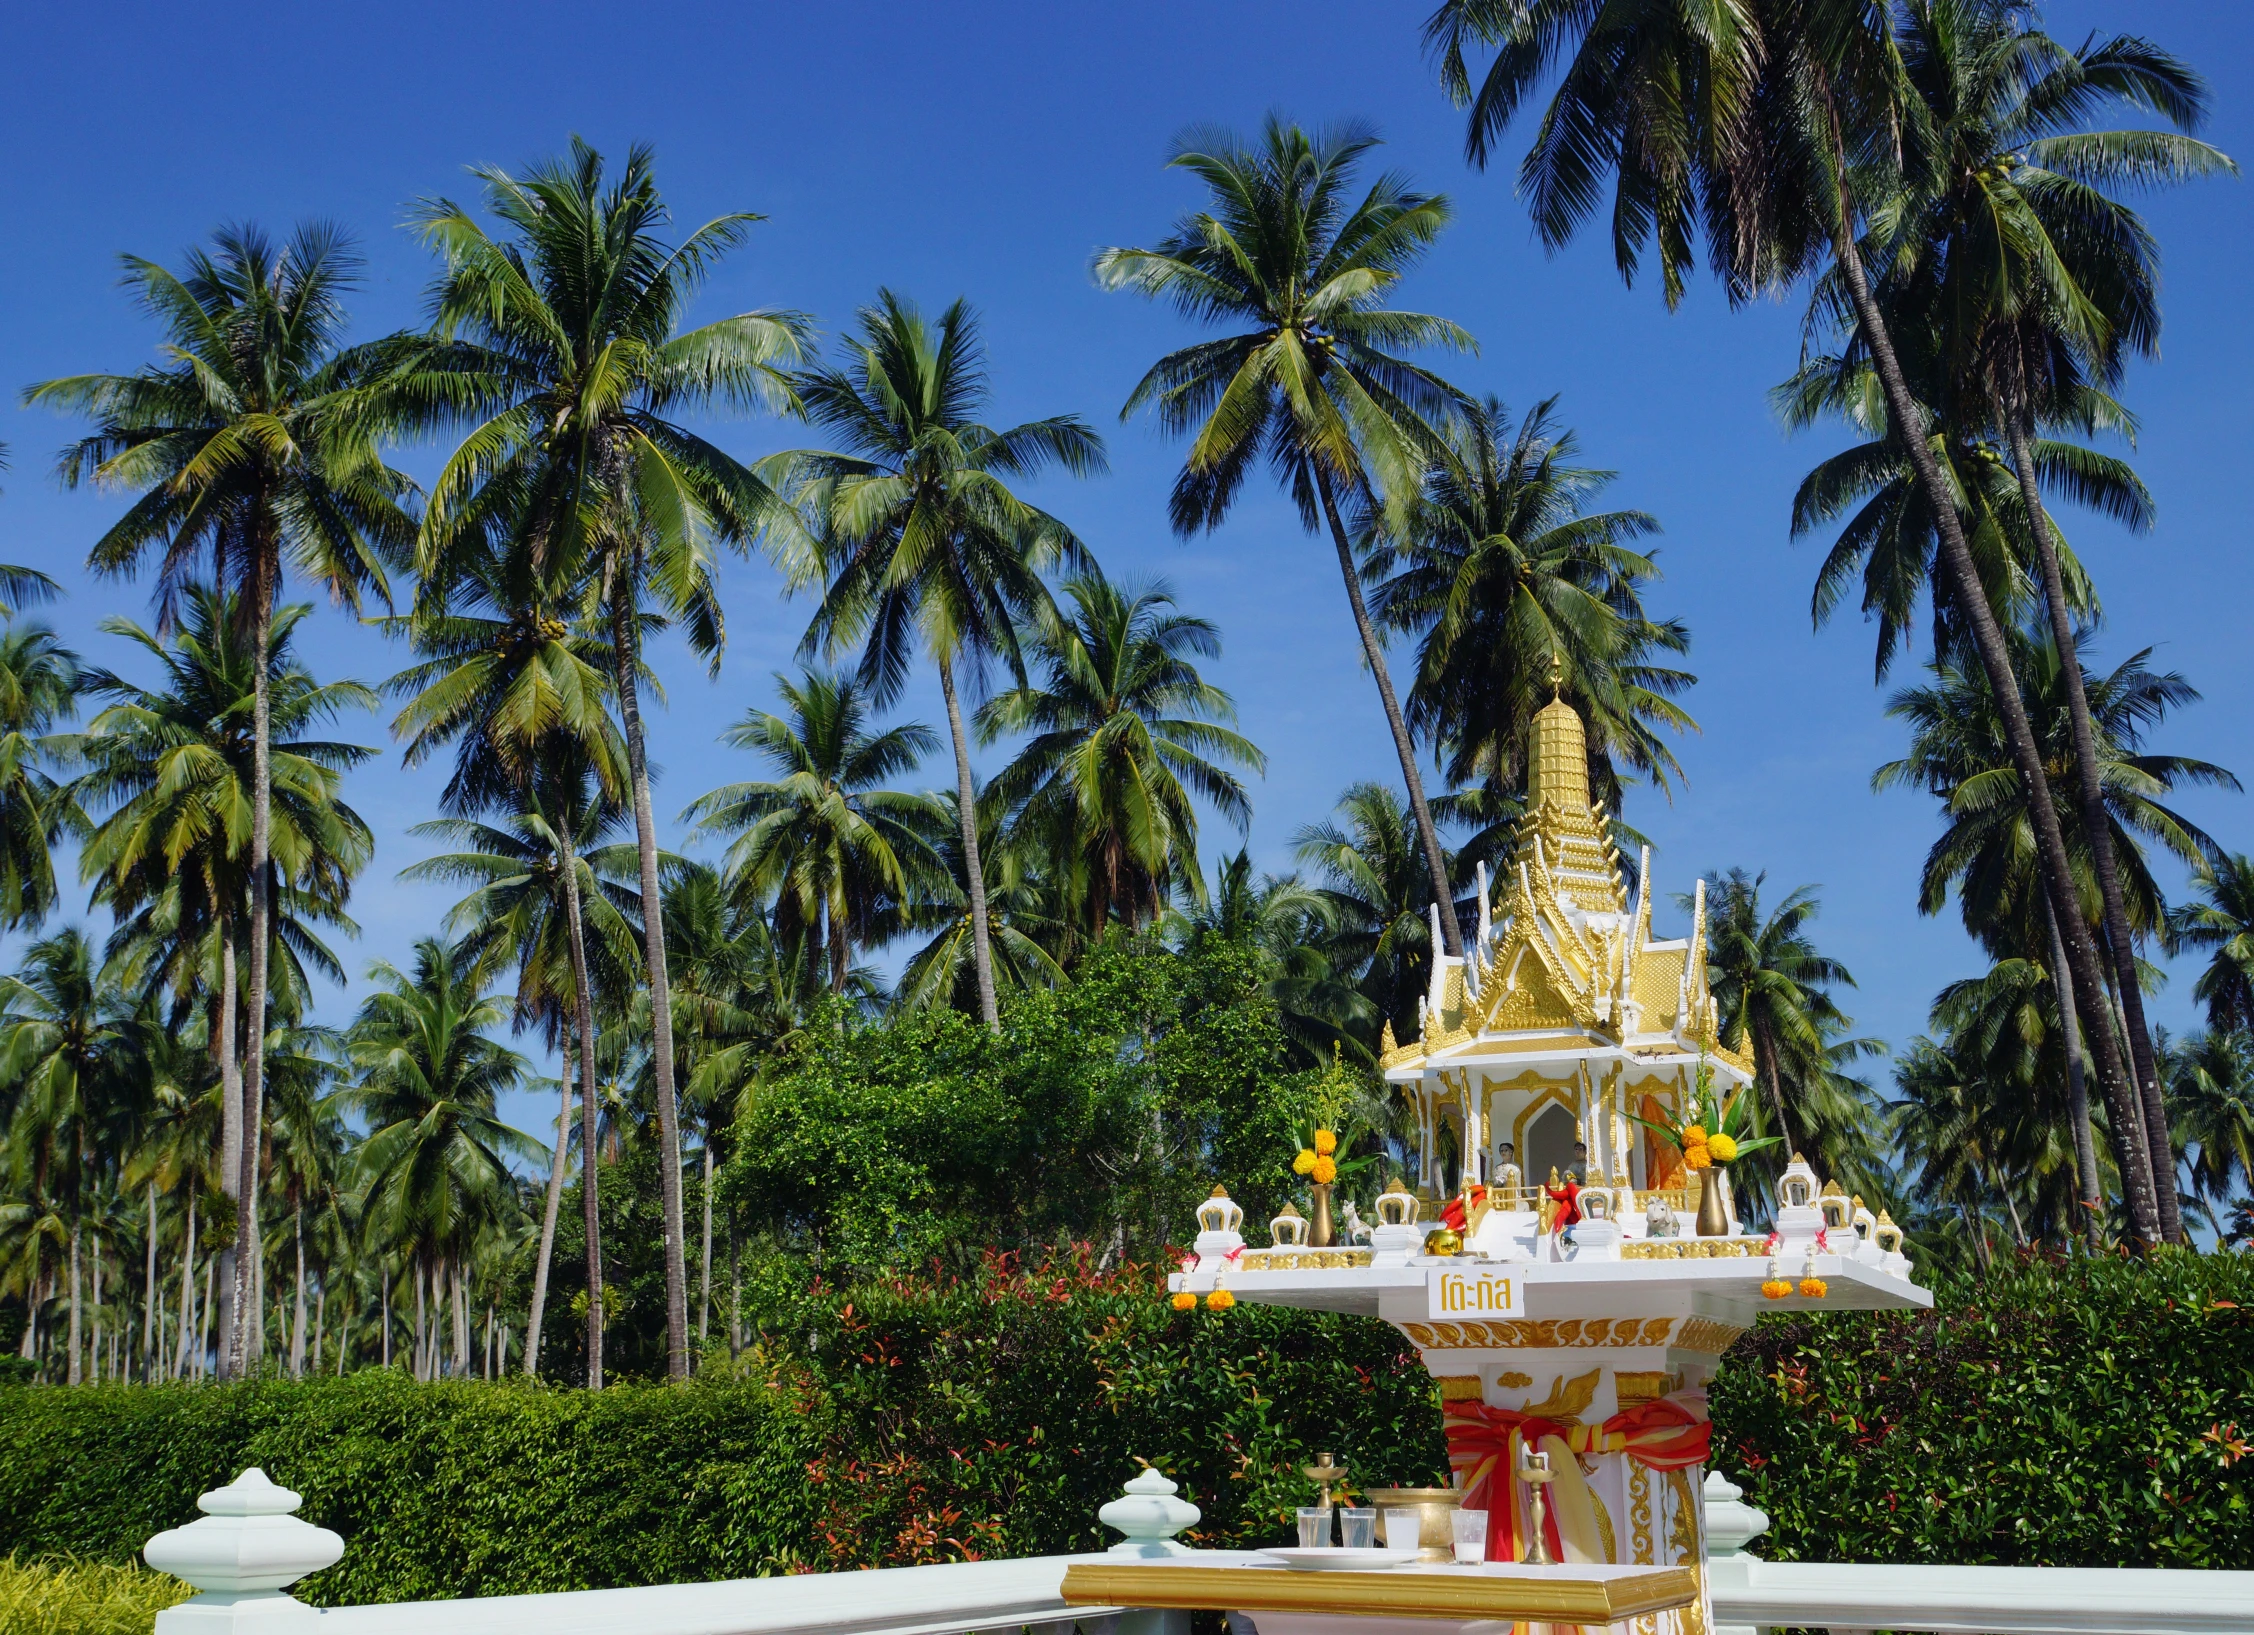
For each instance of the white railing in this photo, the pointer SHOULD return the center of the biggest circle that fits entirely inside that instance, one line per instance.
(250, 1548)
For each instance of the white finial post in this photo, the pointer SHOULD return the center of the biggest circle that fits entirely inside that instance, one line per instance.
(1731, 1524)
(1150, 1515)
(248, 1547)
(1439, 993)
(1486, 911)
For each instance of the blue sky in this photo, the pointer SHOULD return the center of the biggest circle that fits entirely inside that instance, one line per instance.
(986, 150)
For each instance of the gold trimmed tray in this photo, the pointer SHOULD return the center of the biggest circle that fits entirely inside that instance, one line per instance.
(1579, 1595)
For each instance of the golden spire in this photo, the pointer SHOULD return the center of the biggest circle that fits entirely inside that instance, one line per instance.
(1557, 752)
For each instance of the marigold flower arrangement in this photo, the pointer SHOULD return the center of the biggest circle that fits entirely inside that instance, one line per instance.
(1714, 1129)
(1220, 1300)
(1814, 1287)
(1185, 1301)
(1775, 1288)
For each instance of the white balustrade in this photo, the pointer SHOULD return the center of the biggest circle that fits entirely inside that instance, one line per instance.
(250, 1547)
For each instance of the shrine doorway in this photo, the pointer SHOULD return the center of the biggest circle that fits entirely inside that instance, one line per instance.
(1550, 1135)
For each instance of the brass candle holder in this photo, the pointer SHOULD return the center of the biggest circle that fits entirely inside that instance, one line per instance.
(1324, 1471)
(1534, 1470)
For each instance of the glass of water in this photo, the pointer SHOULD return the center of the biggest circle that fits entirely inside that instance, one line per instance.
(1314, 1527)
(1471, 1536)
(1404, 1529)
(1357, 1528)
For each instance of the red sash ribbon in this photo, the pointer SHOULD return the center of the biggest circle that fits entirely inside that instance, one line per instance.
(1669, 1433)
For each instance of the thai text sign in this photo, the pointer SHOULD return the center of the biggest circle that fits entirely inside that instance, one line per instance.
(1476, 1291)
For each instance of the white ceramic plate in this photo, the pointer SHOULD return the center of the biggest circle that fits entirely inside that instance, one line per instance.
(1336, 1559)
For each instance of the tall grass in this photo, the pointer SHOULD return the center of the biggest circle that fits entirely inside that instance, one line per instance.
(82, 1598)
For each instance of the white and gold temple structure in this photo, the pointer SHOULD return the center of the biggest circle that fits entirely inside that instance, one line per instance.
(1571, 1356)
(1567, 1012)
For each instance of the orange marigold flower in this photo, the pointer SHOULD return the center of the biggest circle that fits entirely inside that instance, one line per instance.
(1722, 1147)
(1698, 1156)
(1775, 1288)
(1185, 1301)
(1325, 1171)
(1326, 1143)
(1220, 1300)
(1694, 1135)
(1813, 1287)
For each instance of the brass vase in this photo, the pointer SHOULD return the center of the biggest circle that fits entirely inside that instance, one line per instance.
(1713, 1222)
(1318, 1235)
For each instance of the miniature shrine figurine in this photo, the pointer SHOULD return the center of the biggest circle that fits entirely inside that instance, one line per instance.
(1509, 1178)
(1659, 1219)
(1564, 1204)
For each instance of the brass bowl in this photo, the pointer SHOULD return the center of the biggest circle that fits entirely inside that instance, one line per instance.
(1436, 1534)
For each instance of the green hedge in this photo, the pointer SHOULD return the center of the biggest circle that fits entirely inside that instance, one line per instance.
(2055, 1415)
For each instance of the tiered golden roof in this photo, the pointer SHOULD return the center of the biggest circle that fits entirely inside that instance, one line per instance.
(1570, 962)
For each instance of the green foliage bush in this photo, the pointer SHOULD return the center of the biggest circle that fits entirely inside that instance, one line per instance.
(2056, 1414)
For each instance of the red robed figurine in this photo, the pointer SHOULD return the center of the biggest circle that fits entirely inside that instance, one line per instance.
(1568, 1201)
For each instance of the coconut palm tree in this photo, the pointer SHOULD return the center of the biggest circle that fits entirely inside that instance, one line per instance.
(251, 446)
(1124, 735)
(428, 1076)
(1509, 584)
(39, 685)
(65, 1046)
(917, 532)
(1772, 984)
(1373, 878)
(1957, 753)
(1028, 886)
(2041, 285)
(2211, 1092)
(826, 842)
(22, 587)
(1292, 925)
(175, 771)
(560, 345)
(2219, 922)
(1783, 132)
(1310, 380)
(541, 880)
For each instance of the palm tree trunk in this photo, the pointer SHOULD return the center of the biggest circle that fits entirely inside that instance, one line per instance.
(2077, 1092)
(2098, 828)
(583, 1000)
(321, 1324)
(149, 1312)
(1960, 581)
(73, 1373)
(297, 1326)
(187, 1294)
(704, 1257)
(626, 648)
(1978, 1232)
(207, 1353)
(383, 1287)
(231, 1107)
(735, 1293)
(974, 873)
(1451, 935)
(422, 1323)
(548, 1220)
(460, 1281)
(246, 1342)
(1765, 1043)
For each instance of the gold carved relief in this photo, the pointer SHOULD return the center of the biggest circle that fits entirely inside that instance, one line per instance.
(1551, 1334)
(1459, 1388)
(1707, 1335)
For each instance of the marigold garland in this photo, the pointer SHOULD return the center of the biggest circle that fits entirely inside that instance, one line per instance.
(1775, 1288)
(1813, 1287)
(1185, 1301)
(1220, 1300)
